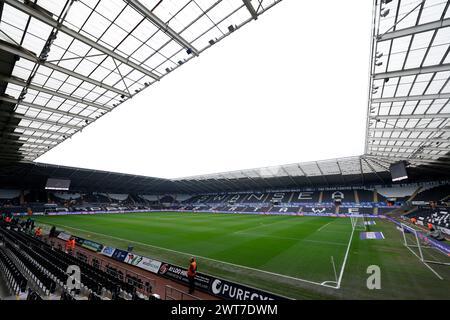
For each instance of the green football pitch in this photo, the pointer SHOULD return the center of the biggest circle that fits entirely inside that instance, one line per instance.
(295, 256)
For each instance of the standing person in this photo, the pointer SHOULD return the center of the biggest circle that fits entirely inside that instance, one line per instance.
(70, 245)
(38, 232)
(192, 270)
(52, 232)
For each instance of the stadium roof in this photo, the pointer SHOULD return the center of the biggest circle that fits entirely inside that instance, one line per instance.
(353, 171)
(67, 63)
(34, 176)
(80, 59)
(409, 94)
(299, 173)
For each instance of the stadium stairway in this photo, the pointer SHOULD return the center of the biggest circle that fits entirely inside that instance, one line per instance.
(4, 291)
(356, 196)
(403, 211)
(415, 193)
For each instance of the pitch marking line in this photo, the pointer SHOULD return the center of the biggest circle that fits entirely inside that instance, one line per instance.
(261, 225)
(323, 284)
(289, 238)
(338, 285)
(325, 225)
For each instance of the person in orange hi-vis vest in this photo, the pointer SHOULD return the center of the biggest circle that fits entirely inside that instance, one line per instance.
(38, 232)
(192, 271)
(70, 245)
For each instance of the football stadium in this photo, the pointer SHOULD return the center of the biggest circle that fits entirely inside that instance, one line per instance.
(374, 226)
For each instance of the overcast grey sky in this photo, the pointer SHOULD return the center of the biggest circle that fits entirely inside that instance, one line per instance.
(289, 87)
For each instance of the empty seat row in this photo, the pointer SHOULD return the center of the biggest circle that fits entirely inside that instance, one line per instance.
(15, 279)
(57, 262)
(42, 277)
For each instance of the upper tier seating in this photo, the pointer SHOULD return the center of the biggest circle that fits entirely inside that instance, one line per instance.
(436, 193)
(343, 195)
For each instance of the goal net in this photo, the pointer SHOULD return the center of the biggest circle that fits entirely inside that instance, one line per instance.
(423, 247)
(358, 222)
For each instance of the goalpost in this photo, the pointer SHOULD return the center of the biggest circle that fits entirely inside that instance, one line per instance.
(358, 222)
(422, 247)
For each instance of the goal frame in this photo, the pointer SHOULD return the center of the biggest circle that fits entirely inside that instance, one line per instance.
(417, 243)
(358, 222)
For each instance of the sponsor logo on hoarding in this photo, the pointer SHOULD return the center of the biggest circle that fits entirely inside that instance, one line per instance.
(91, 245)
(64, 236)
(149, 264)
(233, 291)
(163, 268)
(180, 274)
(133, 259)
(79, 241)
(119, 255)
(108, 251)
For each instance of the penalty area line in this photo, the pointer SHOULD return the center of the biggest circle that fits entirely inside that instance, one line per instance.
(325, 225)
(323, 284)
(341, 274)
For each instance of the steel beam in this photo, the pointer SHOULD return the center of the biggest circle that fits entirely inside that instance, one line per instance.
(412, 98)
(431, 140)
(50, 122)
(414, 30)
(410, 129)
(23, 53)
(76, 35)
(51, 110)
(408, 147)
(36, 130)
(391, 159)
(144, 11)
(406, 155)
(21, 142)
(22, 83)
(412, 116)
(26, 136)
(412, 72)
(18, 148)
(250, 9)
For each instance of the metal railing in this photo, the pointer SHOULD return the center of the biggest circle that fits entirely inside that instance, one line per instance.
(171, 293)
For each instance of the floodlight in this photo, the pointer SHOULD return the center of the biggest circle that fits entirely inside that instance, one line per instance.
(398, 171)
(384, 13)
